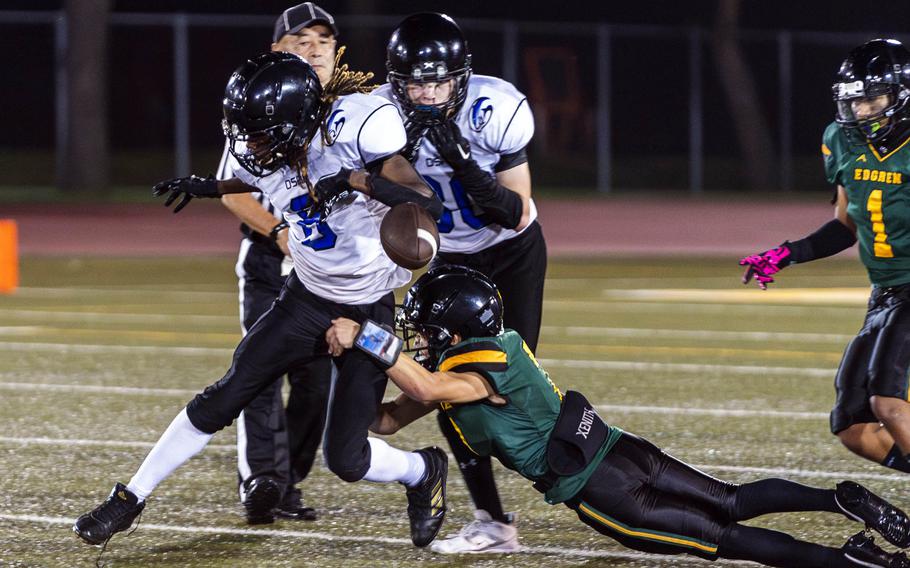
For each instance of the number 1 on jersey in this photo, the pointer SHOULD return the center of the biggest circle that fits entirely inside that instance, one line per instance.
(874, 205)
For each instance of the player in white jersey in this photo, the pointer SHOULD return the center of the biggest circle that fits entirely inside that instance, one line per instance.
(467, 136)
(286, 130)
(276, 447)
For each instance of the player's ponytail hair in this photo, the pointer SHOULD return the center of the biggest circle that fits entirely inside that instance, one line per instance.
(343, 82)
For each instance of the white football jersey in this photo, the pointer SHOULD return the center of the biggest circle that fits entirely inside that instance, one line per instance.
(339, 257)
(496, 120)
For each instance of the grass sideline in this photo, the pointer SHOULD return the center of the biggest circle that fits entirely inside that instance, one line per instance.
(97, 355)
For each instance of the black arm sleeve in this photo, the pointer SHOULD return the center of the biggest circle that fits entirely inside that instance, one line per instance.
(509, 161)
(500, 204)
(828, 240)
(391, 194)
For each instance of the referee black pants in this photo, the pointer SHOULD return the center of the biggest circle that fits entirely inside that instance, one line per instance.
(288, 336)
(271, 440)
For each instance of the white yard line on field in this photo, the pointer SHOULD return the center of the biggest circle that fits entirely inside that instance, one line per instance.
(570, 331)
(8, 330)
(114, 317)
(764, 471)
(568, 363)
(799, 296)
(185, 393)
(101, 349)
(630, 305)
(689, 367)
(313, 535)
(97, 443)
(647, 333)
(98, 389)
(128, 294)
(815, 474)
(719, 412)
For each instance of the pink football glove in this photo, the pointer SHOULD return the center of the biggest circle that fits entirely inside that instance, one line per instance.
(764, 265)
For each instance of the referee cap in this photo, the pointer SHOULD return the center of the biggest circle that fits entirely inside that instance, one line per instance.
(302, 16)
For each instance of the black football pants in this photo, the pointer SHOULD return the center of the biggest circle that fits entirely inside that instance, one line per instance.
(650, 501)
(518, 268)
(287, 337)
(272, 441)
(876, 361)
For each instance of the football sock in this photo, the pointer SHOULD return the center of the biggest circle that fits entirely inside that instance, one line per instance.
(477, 472)
(478, 476)
(180, 442)
(775, 548)
(779, 496)
(391, 464)
(897, 460)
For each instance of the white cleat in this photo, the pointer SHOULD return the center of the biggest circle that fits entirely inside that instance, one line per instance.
(483, 535)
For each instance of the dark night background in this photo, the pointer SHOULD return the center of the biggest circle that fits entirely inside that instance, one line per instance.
(649, 77)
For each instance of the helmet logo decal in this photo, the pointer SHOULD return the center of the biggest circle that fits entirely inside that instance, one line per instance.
(854, 89)
(481, 111)
(333, 126)
(486, 316)
(424, 70)
(437, 307)
(269, 109)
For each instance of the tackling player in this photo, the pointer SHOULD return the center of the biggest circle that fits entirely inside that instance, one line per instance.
(867, 158)
(503, 403)
(276, 447)
(467, 136)
(328, 158)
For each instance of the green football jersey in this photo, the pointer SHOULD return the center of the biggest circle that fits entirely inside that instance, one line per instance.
(517, 432)
(878, 191)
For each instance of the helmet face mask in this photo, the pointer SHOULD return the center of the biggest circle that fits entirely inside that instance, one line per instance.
(431, 114)
(445, 302)
(872, 91)
(264, 152)
(272, 108)
(428, 48)
(425, 342)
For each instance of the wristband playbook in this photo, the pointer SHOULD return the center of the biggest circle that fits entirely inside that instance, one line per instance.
(379, 342)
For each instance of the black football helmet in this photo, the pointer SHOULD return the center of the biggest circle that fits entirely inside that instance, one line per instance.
(445, 301)
(878, 67)
(271, 108)
(428, 47)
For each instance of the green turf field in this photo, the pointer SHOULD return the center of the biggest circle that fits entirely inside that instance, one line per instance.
(98, 355)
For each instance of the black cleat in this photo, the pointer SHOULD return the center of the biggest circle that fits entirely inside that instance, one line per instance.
(862, 551)
(427, 501)
(860, 504)
(262, 496)
(291, 507)
(116, 514)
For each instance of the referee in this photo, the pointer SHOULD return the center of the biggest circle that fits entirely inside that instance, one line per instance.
(276, 446)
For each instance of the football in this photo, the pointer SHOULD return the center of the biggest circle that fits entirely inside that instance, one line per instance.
(409, 235)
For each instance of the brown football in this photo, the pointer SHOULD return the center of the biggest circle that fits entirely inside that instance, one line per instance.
(409, 236)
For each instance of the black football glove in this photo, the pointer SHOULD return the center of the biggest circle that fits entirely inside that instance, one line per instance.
(330, 188)
(415, 131)
(186, 188)
(451, 145)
